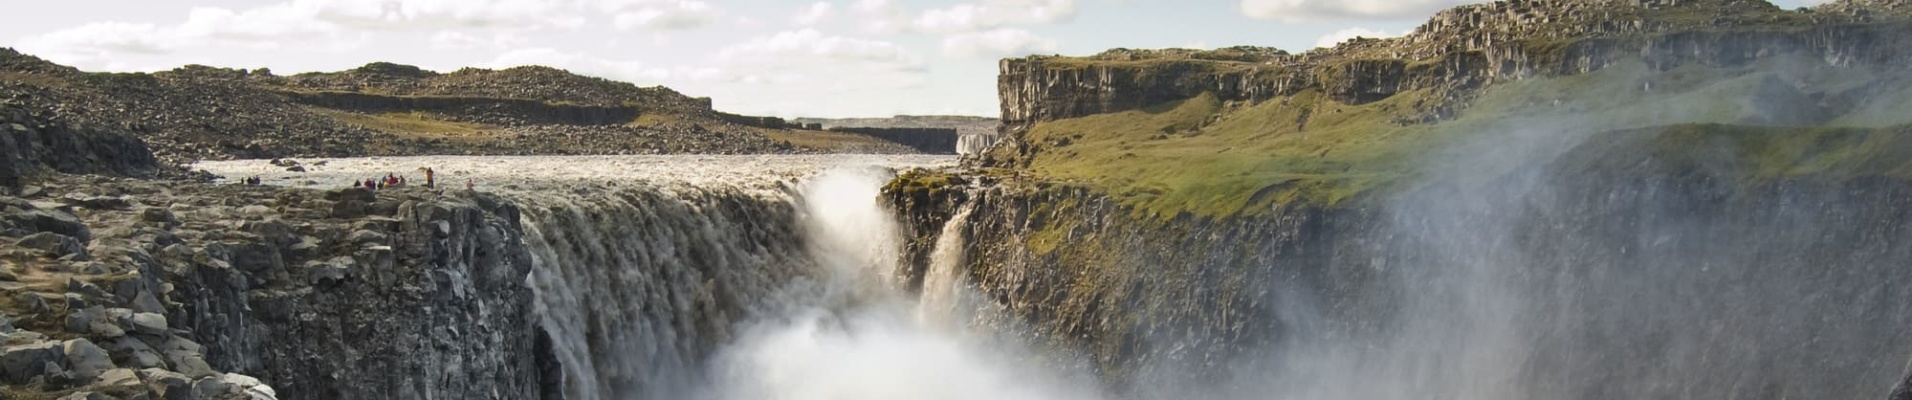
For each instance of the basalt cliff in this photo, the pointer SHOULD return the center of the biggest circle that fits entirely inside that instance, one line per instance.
(1543, 199)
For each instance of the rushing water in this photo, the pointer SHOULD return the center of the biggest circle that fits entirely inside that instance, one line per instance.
(720, 278)
(711, 277)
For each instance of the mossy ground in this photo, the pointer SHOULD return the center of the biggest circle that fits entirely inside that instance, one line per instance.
(1206, 158)
(409, 124)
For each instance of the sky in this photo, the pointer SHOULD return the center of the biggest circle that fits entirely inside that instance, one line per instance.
(787, 58)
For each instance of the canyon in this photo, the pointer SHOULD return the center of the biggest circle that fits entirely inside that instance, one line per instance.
(1573, 199)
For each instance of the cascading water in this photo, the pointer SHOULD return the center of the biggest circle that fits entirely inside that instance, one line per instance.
(767, 281)
(865, 340)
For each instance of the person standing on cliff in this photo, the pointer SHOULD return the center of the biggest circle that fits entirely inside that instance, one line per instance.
(431, 178)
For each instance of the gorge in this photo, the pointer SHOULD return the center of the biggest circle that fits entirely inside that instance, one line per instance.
(1545, 199)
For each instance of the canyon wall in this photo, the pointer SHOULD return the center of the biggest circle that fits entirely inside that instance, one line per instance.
(926, 140)
(1492, 50)
(1591, 275)
(1537, 261)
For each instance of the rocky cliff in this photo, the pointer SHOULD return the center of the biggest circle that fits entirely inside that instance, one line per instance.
(1521, 199)
(1456, 52)
(319, 295)
(1579, 275)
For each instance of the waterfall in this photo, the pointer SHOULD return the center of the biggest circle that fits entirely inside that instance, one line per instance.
(973, 144)
(868, 341)
(639, 285)
(733, 291)
(943, 285)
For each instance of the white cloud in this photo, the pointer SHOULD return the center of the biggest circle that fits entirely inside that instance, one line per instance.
(105, 38)
(346, 24)
(811, 65)
(814, 14)
(1332, 39)
(879, 16)
(1302, 10)
(437, 14)
(811, 44)
(989, 14)
(456, 40)
(666, 15)
(1005, 42)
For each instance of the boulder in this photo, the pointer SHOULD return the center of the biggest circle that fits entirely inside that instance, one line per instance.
(249, 387)
(93, 321)
(53, 243)
(22, 363)
(249, 257)
(352, 194)
(145, 302)
(118, 377)
(168, 385)
(133, 352)
(191, 364)
(84, 395)
(149, 324)
(51, 221)
(87, 360)
(157, 214)
(57, 376)
(90, 290)
(34, 302)
(349, 209)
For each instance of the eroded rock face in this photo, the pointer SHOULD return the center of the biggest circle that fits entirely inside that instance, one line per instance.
(1591, 275)
(31, 141)
(422, 298)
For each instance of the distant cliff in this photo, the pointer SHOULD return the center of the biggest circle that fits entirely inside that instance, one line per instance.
(927, 140)
(1455, 53)
(199, 112)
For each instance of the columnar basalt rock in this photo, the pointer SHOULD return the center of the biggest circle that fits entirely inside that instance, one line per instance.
(1456, 53)
(417, 297)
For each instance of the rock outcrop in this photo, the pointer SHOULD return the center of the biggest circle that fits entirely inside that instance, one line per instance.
(190, 291)
(32, 143)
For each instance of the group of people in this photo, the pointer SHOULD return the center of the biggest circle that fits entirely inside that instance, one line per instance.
(392, 180)
(254, 180)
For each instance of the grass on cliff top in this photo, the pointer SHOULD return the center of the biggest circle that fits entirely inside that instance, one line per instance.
(409, 125)
(1204, 158)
